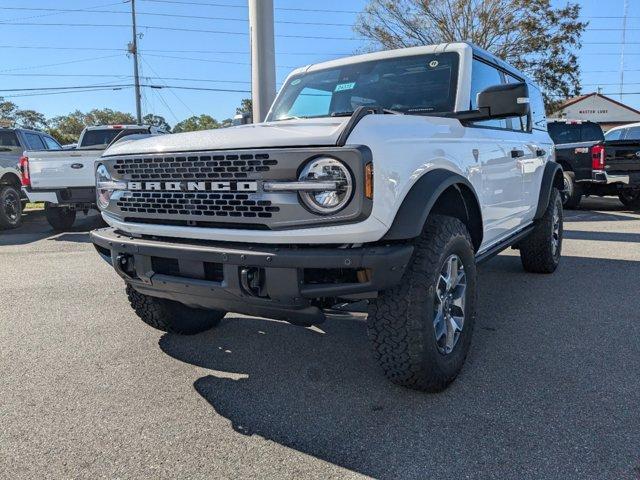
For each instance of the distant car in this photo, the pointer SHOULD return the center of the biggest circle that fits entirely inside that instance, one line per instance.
(598, 164)
(65, 180)
(14, 141)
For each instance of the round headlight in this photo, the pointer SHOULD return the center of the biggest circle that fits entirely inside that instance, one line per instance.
(103, 181)
(328, 170)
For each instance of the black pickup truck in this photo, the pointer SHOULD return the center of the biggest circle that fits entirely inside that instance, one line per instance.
(598, 164)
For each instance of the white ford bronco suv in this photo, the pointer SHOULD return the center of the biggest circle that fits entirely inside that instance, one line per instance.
(382, 178)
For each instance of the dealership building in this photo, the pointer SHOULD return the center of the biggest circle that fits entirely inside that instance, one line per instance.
(597, 108)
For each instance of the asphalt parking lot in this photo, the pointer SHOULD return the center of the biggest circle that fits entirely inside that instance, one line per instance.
(551, 388)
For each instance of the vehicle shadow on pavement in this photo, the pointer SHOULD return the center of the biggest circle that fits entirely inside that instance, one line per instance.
(549, 388)
(35, 227)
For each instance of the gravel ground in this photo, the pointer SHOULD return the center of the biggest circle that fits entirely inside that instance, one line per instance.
(551, 388)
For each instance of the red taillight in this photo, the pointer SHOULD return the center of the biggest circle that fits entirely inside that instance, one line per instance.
(24, 172)
(598, 156)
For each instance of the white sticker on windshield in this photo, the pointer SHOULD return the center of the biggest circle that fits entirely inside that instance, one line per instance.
(341, 87)
(433, 63)
(296, 81)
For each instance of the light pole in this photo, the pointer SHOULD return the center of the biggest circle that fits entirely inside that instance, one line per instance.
(263, 57)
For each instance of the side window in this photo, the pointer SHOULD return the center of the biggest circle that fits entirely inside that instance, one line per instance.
(633, 133)
(51, 143)
(34, 142)
(520, 123)
(536, 102)
(614, 135)
(484, 76)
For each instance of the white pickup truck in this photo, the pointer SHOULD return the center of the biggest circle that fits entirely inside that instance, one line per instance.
(383, 177)
(65, 179)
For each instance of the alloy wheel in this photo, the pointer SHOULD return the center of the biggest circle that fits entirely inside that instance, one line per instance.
(449, 304)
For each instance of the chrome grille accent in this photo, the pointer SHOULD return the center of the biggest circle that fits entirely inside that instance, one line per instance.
(194, 167)
(198, 204)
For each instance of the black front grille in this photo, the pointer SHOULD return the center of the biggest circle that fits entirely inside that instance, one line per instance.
(199, 204)
(192, 167)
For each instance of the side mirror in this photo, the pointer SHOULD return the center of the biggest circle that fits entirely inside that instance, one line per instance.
(503, 101)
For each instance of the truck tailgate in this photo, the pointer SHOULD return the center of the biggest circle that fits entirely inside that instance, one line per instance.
(623, 156)
(62, 169)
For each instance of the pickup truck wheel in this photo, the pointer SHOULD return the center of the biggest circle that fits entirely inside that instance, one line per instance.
(630, 199)
(572, 191)
(421, 329)
(60, 218)
(540, 251)
(10, 207)
(170, 316)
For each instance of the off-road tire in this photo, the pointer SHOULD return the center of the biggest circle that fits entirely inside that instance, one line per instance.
(630, 200)
(60, 218)
(401, 320)
(536, 250)
(10, 207)
(170, 316)
(573, 191)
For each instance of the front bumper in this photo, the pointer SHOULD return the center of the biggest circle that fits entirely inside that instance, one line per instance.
(270, 281)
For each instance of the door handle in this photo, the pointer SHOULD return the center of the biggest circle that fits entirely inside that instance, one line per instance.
(517, 153)
(77, 165)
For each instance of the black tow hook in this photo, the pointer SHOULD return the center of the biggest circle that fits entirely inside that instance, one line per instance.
(252, 280)
(124, 265)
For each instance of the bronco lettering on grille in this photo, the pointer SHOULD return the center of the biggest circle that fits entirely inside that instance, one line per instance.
(235, 186)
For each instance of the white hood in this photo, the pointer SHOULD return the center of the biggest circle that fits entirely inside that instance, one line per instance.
(289, 133)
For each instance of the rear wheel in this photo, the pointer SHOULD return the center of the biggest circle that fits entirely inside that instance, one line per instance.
(10, 207)
(540, 251)
(170, 316)
(572, 191)
(421, 329)
(60, 218)
(630, 199)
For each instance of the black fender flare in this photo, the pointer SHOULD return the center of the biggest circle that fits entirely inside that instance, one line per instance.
(423, 195)
(551, 177)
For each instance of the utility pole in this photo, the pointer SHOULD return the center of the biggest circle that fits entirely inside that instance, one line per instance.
(263, 57)
(624, 39)
(133, 50)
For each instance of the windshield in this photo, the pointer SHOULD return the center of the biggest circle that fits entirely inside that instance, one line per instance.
(98, 138)
(563, 132)
(417, 84)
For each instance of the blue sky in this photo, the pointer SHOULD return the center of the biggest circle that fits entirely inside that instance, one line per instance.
(187, 59)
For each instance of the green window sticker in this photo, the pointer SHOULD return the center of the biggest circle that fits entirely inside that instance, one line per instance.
(296, 81)
(341, 87)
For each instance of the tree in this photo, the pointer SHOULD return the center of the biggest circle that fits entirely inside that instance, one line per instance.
(106, 116)
(7, 112)
(156, 121)
(68, 128)
(530, 34)
(245, 106)
(30, 119)
(202, 122)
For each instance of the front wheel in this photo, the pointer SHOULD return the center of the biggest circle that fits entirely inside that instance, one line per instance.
(630, 199)
(170, 316)
(60, 218)
(421, 329)
(10, 207)
(540, 251)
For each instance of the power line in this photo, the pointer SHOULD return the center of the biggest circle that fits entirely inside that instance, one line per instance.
(226, 5)
(174, 29)
(56, 11)
(59, 63)
(209, 60)
(171, 15)
(64, 92)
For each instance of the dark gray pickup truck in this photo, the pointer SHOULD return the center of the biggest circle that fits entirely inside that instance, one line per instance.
(598, 164)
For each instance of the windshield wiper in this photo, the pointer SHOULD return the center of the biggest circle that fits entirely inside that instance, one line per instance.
(374, 109)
